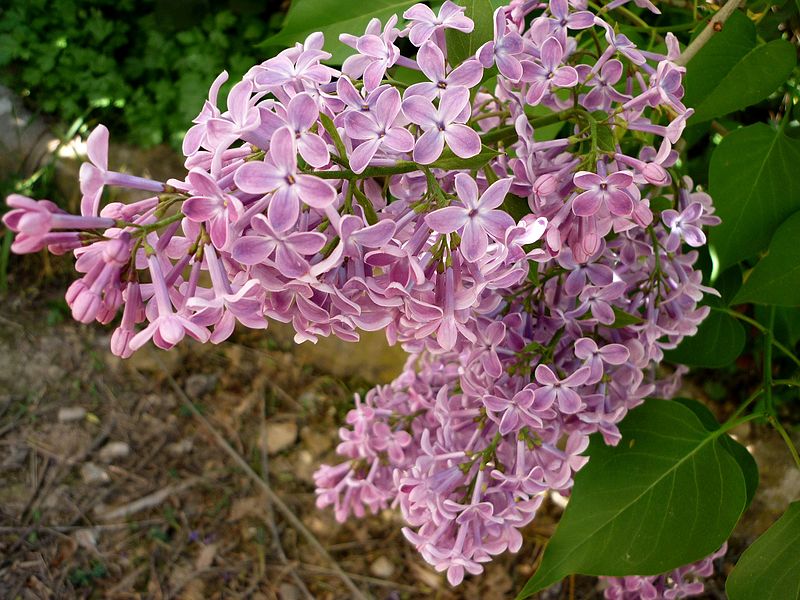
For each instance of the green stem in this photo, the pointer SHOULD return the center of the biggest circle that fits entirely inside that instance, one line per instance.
(787, 440)
(329, 126)
(159, 224)
(786, 382)
(752, 398)
(399, 168)
(769, 336)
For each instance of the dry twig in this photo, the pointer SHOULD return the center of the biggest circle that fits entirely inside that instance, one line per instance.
(274, 499)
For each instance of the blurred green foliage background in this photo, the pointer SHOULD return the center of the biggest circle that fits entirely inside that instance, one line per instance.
(142, 67)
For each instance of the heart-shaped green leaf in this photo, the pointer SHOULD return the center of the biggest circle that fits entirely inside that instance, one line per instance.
(755, 183)
(718, 342)
(776, 277)
(460, 46)
(332, 17)
(669, 494)
(733, 71)
(770, 568)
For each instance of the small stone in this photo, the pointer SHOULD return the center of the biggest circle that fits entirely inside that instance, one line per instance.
(280, 436)
(198, 385)
(71, 413)
(86, 538)
(91, 473)
(180, 448)
(206, 557)
(287, 591)
(382, 567)
(114, 450)
(150, 359)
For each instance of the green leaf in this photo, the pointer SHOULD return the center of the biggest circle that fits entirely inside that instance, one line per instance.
(333, 17)
(754, 78)
(770, 568)
(755, 183)
(515, 206)
(719, 55)
(667, 495)
(776, 277)
(787, 322)
(623, 319)
(450, 161)
(718, 342)
(740, 454)
(460, 45)
(547, 132)
(732, 71)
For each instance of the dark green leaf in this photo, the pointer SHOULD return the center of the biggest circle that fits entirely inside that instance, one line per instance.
(461, 46)
(770, 568)
(732, 71)
(720, 54)
(755, 183)
(667, 495)
(450, 161)
(776, 277)
(517, 207)
(546, 132)
(746, 461)
(333, 17)
(623, 319)
(728, 285)
(787, 322)
(718, 342)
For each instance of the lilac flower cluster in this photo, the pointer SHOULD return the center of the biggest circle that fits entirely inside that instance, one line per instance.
(341, 201)
(679, 583)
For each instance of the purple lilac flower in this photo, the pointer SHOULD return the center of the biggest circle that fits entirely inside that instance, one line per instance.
(477, 220)
(377, 129)
(442, 125)
(432, 62)
(503, 50)
(425, 24)
(549, 74)
(279, 176)
(611, 192)
(515, 351)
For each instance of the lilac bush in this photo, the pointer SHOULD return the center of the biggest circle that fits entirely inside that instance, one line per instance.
(534, 282)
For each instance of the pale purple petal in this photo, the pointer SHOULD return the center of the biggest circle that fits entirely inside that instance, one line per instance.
(474, 241)
(258, 178)
(447, 220)
(399, 140)
(586, 204)
(453, 101)
(201, 208)
(429, 146)
(462, 140)
(495, 194)
(314, 191)
(302, 112)
(431, 60)
(251, 250)
(314, 150)
(284, 208)
(420, 110)
(360, 157)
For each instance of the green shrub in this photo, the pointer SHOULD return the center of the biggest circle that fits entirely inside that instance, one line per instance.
(141, 66)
